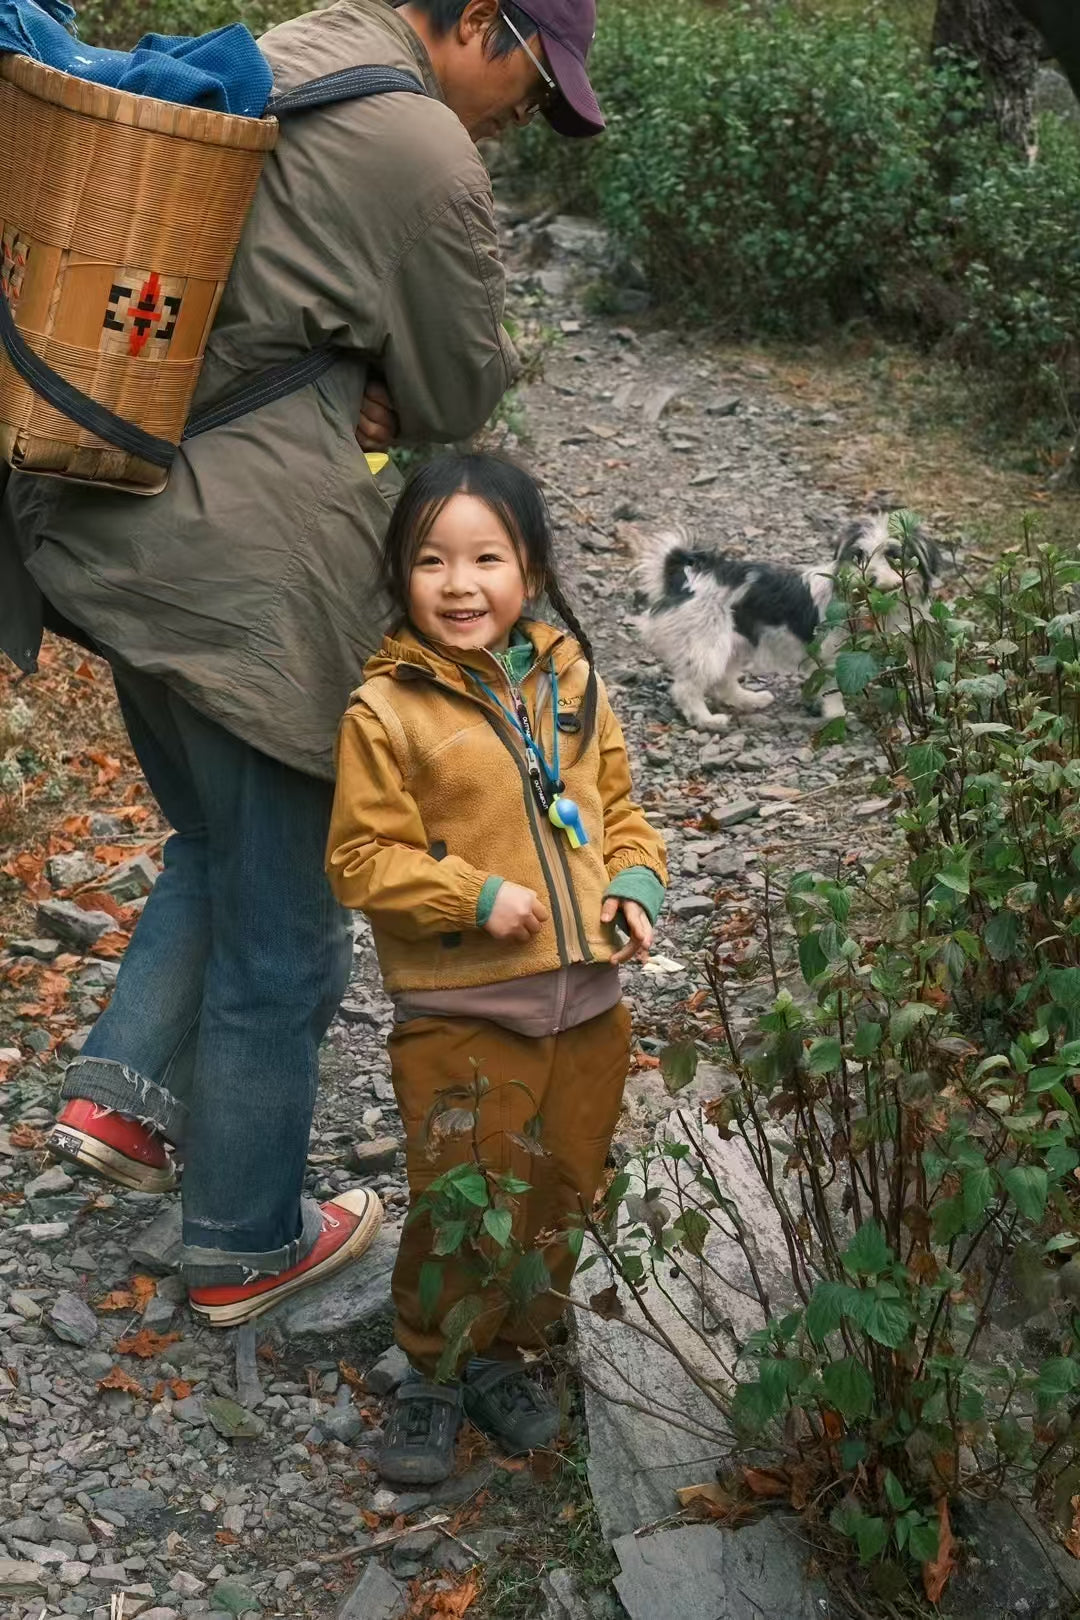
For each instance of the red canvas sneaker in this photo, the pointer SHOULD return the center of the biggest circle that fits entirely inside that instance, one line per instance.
(349, 1225)
(113, 1146)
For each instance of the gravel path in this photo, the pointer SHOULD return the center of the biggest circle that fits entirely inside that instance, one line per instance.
(221, 1474)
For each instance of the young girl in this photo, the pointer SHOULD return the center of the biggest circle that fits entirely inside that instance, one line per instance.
(483, 823)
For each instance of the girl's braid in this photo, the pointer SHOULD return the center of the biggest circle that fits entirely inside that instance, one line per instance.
(569, 617)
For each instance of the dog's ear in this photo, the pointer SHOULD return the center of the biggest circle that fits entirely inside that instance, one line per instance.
(930, 558)
(849, 539)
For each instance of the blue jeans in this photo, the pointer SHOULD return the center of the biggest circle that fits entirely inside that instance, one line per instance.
(237, 965)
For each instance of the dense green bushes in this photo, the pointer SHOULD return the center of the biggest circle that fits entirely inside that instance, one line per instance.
(119, 23)
(781, 173)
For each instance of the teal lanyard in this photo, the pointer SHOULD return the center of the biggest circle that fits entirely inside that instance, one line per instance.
(545, 779)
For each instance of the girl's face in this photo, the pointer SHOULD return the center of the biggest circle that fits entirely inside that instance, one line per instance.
(467, 587)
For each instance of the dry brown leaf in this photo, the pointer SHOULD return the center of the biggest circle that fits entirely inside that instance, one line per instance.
(146, 1344)
(608, 1304)
(1072, 1540)
(371, 1519)
(936, 1571)
(226, 1538)
(712, 1501)
(119, 1300)
(144, 1288)
(27, 1137)
(767, 1481)
(119, 1379)
(448, 1604)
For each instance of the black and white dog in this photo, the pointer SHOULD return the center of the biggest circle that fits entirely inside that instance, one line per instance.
(714, 618)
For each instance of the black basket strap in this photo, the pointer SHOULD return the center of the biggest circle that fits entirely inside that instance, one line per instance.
(73, 403)
(263, 390)
(350, 84)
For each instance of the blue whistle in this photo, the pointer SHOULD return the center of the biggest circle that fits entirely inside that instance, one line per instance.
(565, 815)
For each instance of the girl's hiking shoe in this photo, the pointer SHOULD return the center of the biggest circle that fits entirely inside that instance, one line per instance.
(113, 1146)
(498, 1396)
(349, 1225)
(420, 1436)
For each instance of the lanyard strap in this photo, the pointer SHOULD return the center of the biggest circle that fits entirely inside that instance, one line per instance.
(545, 778)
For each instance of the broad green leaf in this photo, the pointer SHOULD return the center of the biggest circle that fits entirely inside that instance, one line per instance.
(923, 1541)
(574, 1239)
(907, 1018)
(1057, 1379)
(982, 687)
(678, 1065)
(692, 1230)
(512, 1184)
(849, 1387)
(825, 1055)
(529, 1278)
(949, 1219)
(867, 1040)
(867, 1253)
(956, 878)
(449, 1236)
(854, 671)
(498, 1224)
(871, 1535)
(829, 1304)
(977, 1190)
(886, 1321)
(1001, 934)
(898, 1497)
(474, 1188)
(812, 959)
(1027, 1186)
(429, 1289)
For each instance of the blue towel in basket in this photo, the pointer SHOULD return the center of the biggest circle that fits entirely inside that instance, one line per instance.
(224, 71)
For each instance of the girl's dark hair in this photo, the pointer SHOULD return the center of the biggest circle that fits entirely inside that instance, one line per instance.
(520, 507)
(499, 40)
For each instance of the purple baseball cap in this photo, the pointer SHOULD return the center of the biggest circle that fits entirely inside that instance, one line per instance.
(566, 29)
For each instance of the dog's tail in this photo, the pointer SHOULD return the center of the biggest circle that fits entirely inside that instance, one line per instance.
(655, 555)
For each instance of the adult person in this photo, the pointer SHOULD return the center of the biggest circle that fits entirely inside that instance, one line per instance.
(237, 609)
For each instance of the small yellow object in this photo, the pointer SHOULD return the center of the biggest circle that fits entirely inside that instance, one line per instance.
(376, 463)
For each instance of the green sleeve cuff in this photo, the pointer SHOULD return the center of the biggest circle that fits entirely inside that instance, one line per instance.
(485, 900)
(638, 883)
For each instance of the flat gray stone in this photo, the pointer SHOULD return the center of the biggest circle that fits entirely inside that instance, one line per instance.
(20, 1579)
(638, 1459)
(158, 1247)
(158, 1314)
(70, 923)
(233, 1597)
(131, 881)
(733, 811)
(68, 871)
(51, 1181)
(562, 1601)
(72, 1320)
(1012, 1569)
(704, 1572)
(342, 1423)
(192, 1409)
(130, 1500)
(39, 950)
(692, 905)
(370, 1157)
(357, 1294)
(384, 1376)
(376, 1596)
(232, 1421)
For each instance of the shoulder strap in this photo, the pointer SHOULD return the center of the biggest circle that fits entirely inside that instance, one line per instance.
(350, 84)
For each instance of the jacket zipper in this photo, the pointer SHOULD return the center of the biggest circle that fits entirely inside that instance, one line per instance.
(560, 892)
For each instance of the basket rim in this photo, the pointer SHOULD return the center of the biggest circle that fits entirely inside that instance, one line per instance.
(101, 101)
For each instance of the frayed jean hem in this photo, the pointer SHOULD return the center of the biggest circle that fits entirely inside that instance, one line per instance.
(115, 1085)
(207, 1267)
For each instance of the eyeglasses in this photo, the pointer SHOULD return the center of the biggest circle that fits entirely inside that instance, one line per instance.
(551, 94)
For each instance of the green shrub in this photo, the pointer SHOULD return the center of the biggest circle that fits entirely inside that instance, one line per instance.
(118, 24)
(782, 172)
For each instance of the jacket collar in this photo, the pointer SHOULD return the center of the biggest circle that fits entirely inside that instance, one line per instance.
(378, 11)
(406, 656)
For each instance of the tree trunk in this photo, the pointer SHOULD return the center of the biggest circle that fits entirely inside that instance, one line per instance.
(994, 35)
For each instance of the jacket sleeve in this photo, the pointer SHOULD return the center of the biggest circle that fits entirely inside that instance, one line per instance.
(377, 854)
(629, 840)
(447, 360)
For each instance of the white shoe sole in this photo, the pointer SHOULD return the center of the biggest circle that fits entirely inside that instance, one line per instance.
(81, 1148)
(358, 1201)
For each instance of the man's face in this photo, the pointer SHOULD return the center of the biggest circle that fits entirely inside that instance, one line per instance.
(489, 94)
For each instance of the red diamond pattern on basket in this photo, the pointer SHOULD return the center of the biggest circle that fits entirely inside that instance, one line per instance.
(143, 309)
(14, 254)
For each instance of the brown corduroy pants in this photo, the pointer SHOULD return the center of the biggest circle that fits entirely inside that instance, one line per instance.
(576, 1081)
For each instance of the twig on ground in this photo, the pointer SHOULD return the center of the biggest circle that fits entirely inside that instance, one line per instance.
(386, 1538)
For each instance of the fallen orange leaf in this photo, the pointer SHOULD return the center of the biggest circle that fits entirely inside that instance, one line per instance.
(119, 1379)
(118, 1300)
(146, 1343)
(936, 1571)
(766, 1481)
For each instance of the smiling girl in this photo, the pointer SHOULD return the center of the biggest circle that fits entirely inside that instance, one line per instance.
(483, 823)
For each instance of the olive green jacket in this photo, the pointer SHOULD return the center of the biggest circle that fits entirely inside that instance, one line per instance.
(248, 584)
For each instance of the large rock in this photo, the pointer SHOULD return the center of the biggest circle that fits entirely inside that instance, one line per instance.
(638, 1459)
(69, 922)
(158, 1247)
(704, 1572)
(1010, 1569)
(376, 1596)
(20, 1579)
(72, 1320)
(358, 1294)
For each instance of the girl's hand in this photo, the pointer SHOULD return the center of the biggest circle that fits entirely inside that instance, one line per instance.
(378, 427)
(637, 923)
(516, 914)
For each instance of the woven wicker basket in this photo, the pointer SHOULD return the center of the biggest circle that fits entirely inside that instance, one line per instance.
(119, 218)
